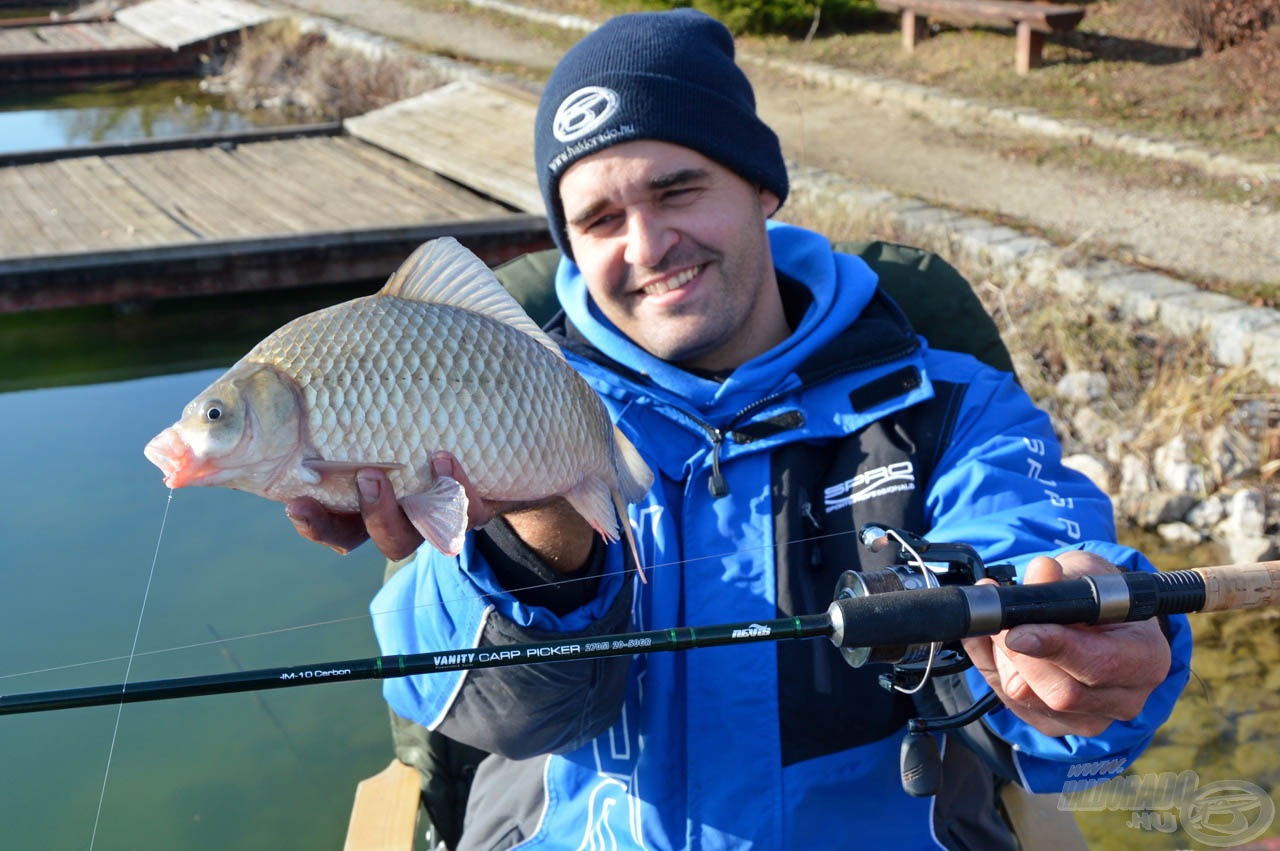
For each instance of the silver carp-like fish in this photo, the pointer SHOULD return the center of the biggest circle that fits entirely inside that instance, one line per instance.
(441, 358)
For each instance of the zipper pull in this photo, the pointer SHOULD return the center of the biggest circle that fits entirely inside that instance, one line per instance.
(717, 484)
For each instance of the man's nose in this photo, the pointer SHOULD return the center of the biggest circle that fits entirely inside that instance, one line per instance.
(649, 238)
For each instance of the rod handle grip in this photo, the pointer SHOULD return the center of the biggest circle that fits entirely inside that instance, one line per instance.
(1240, 586)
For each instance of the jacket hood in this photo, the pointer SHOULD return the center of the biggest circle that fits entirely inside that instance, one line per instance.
(841, 287)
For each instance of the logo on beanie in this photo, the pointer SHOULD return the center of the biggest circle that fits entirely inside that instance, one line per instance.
(584, 111)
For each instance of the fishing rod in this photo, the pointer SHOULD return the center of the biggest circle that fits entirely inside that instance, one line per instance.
(904, 615)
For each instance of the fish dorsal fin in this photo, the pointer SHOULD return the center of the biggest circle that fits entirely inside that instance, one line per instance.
(443, 272)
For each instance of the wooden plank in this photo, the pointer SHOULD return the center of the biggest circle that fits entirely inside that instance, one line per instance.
(43, 211)
(476, 134)
(343, 196)
(385, 810)
(221, 194)
(178, 23)
(182, 140)
(75, 39)
(355, 189)
(249, 265)
(166, 183)
(22, 232)
(63, 203)
(424, 189)
(128, 216)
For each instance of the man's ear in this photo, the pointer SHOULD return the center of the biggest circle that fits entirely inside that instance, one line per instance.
(769, 202)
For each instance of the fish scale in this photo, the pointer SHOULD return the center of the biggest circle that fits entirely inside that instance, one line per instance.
(441, 358)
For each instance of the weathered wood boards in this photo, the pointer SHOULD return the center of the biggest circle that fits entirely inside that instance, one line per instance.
(178, 23)
(477, 134)
(288, 186)
(154, 37)
(229, 217)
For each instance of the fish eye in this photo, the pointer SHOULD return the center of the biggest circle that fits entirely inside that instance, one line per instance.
(212, 410)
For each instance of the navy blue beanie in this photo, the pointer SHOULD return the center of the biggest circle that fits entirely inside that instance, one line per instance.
(665, 76)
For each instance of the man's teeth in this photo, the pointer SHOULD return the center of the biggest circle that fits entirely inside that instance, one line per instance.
(673, 283)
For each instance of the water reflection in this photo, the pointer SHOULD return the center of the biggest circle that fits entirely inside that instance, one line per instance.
(37, 118)
(1225, 727)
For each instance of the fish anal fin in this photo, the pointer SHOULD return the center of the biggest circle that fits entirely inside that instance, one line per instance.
(440, 514)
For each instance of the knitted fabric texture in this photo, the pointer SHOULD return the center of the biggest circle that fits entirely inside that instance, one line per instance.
(665, 76)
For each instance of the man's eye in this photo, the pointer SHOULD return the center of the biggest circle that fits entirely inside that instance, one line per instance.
(602, 222)
(682, 195)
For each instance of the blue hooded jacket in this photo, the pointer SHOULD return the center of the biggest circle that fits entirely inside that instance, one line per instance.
(693, 756)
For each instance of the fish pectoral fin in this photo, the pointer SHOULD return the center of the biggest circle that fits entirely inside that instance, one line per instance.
(315, 469)
(440, 514)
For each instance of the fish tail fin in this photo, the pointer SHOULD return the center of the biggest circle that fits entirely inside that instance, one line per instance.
(628, 533)
(604, 509)
(634, 480)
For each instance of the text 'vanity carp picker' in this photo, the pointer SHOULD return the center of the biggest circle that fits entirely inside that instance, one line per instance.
(910, 616)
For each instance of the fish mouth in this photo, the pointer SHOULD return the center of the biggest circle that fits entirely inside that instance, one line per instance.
(175, 458)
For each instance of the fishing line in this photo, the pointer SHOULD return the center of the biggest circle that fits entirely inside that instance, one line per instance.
(137, 630)
(367, 615)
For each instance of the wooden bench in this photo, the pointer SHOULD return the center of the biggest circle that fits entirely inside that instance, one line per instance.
(1030, 20)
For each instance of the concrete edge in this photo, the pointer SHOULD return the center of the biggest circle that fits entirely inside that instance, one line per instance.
(1238, 335)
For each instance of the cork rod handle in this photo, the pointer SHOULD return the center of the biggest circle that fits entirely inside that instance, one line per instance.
(1240, 586)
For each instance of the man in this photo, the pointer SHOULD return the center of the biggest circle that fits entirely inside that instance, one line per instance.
(763, 377)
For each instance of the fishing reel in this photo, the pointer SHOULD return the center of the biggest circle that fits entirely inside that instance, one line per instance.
(919, 564)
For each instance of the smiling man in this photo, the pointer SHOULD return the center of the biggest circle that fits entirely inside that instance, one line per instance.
(693, 289)
(766, 378)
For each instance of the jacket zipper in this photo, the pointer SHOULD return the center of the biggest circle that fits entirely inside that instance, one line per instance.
(717, 485)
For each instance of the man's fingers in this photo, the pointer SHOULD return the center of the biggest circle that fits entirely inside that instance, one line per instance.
(478, 511)
(1072, 678)
(340, 532)
(384, 520)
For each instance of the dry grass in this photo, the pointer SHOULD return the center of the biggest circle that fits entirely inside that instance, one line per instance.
(281, 67)
(1129, 66)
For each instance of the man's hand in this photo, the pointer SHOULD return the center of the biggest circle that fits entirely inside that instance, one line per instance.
(1066, 680)
(380, 518)
(554, 530)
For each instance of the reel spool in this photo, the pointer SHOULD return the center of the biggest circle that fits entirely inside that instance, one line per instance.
(919, 564)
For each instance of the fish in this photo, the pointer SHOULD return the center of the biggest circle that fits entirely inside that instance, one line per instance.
(442, 357)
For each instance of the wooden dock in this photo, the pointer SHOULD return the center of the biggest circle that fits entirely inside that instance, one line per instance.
(157, 37)
(467, 130)
(257, 210)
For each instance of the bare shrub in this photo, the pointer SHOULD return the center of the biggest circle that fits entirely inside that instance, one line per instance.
(282, 67)
(1219, 24)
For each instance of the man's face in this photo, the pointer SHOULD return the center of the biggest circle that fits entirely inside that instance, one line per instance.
(674, 252)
